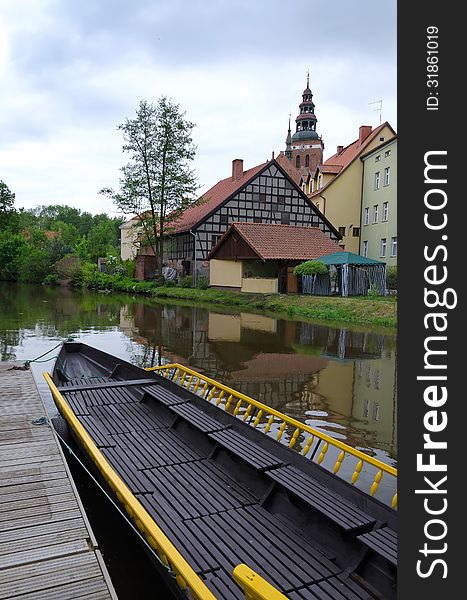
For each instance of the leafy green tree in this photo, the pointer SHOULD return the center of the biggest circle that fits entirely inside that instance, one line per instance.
(8, 214)
(104, 238)
(157, 184)
(10, 247)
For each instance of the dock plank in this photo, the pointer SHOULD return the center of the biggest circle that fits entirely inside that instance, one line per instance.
(47, 550)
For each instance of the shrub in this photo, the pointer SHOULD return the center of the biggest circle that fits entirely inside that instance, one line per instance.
(311, 267)
(186, 282)
(170, 283)
(51, 279)
(68, 267)
(391, 278)
(202, 283)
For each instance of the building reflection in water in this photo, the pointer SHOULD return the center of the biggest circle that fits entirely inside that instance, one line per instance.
(337, 379)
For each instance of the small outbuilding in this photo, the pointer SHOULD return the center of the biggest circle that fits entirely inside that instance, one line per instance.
(355, 274)
(260, 257)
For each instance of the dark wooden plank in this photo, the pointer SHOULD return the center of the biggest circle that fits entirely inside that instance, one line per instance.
(106, 384)
(197, 488)
(196, 417)
(163, 396)
(334, 588)
(382, 541)
(325, 501)
(251, 536)
(249, 451)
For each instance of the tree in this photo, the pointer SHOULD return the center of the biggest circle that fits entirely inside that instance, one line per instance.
(8, 215)
(157, 184)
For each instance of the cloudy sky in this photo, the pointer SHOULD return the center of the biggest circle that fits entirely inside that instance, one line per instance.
(72, 70)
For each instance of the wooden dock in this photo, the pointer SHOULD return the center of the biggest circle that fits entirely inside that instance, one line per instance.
(47, 548)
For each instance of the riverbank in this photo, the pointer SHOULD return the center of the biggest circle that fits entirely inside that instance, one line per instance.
(380, 311)
(364, 310)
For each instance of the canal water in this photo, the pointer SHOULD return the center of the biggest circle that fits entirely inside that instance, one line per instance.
(340, 380)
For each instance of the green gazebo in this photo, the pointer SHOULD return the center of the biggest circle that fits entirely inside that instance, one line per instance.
(356, 274)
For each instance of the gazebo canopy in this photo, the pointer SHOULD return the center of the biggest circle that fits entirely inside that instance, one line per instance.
(347, 258)
(355, 274)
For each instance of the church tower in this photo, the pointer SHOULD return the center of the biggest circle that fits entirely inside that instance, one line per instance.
(304, 148)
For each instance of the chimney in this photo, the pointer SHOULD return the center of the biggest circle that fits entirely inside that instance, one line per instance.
(363, 133)
(339, 150)
(237, 168)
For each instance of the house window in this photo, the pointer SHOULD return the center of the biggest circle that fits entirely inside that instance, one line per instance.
(383, 248)
(377, 180)
(394, 246)
(262, 198)
(342, 231)
(223, 219)
(297, 161)
(385, 211)
(366, 216)
(256, 219)
(285, 218)
(280, 199)
(365, 249)
(375, 213)
(387, 171)
(320, 181)
(307, 160)
(356, 231)
(215, 239)
(387, 153)
(378, 158)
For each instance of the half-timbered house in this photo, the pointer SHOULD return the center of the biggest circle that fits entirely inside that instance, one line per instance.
(262, 194)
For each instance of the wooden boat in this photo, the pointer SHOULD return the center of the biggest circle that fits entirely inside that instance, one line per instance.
(230, 511)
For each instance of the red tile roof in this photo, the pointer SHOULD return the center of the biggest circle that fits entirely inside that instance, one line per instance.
(282, 242)
(349, 154)
(327, 168)
(213, 198)
(288, 167)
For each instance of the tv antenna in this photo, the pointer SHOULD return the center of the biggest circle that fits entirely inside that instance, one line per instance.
(378, 108)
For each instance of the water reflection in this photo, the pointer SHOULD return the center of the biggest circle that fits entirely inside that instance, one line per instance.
(337, 379)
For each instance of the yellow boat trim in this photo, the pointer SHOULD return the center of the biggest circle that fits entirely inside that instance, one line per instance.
(228, 395)
(185, 575)
(254, 586)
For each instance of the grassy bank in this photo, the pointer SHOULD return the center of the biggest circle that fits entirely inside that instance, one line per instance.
(369, 311)
(376, 311)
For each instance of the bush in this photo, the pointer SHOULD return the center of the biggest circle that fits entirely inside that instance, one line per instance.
(170, 283)
(186, 282)
(311, 267)
(203, 283)
(68, 267)
(391, 278)
(51, 279)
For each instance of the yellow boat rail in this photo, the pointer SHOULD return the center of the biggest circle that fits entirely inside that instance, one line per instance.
(314, 443)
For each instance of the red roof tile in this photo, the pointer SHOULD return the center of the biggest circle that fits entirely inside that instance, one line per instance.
(213, 198)
(283, 242)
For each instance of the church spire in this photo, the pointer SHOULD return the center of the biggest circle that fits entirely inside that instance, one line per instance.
(306, 119)
(288, 143)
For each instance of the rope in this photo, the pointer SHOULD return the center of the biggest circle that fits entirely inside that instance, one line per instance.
(28, 362)
(70, 451)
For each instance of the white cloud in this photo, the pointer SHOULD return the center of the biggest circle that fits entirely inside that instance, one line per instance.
(71, 76)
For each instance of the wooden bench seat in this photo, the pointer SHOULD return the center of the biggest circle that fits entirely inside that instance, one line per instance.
(163, 396)
(97, 384)
(243, 448)
(196, 417)
(322, 499)
(382, 541)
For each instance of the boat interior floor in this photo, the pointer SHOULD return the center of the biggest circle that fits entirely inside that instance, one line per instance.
(223, 499)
